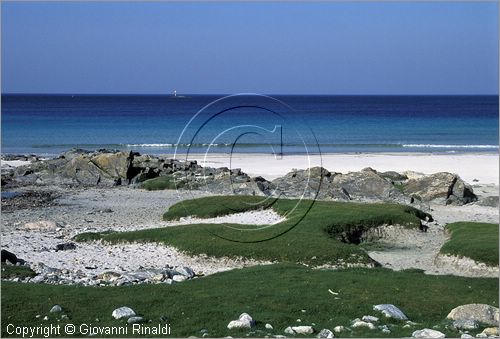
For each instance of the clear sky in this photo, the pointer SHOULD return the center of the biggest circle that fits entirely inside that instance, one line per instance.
(272, 48)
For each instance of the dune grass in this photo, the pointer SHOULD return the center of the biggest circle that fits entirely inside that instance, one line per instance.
(313, 233)
(160, 183)
(275, 294)
(478, 241)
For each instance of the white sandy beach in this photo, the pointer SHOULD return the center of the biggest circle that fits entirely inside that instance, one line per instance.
(483, 167)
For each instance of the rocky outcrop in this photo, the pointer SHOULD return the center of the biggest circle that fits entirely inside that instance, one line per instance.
(443, 186)
(111, 168)
(365, 185)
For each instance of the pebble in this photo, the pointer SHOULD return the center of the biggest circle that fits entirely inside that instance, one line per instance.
(55, 308)
(427, 333)
(179, 278)
(135, 320)
(269, 326)
(325, 333)
(467, 324)
(338, 329)
(491, 331)
(369, 318)
(361, 323)
(303, 329)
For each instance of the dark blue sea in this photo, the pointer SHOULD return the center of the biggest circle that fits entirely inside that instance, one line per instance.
(49, 124)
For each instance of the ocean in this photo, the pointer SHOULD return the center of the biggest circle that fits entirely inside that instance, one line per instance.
(47, 125)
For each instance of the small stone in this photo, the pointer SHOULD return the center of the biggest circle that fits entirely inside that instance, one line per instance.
(269, 326)
(179, 278)
(360, 323)
(338, 329)
(64, 317)
(185, 271)
(465, 335)
(135, 320)
(427, 333)
(384, 329)
(289, 330)
(244, 321)
(55, 308)
(325, 333)
(65, 247)
(481, 335)
(491, 331)
(45, 318)
(303, 329)
(123, 312)
(468, 324)
(369, 318)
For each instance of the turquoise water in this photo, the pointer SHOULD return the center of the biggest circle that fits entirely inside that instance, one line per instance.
(50, 124)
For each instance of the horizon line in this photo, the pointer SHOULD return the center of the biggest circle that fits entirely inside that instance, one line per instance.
(180, 95)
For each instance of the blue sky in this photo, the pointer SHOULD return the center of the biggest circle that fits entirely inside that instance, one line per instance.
(272, 48)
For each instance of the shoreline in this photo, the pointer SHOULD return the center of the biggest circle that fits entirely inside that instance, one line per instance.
(473, 167)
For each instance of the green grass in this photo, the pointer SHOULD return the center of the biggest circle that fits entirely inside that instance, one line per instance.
(478, 241)
(313, 239)
(274, 294)
(210, 207)
(161, 183)
(10, 271)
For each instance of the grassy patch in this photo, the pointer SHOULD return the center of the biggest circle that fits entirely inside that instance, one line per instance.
(210, 207)
(274, 294)
(316, 237)
(161, 183)
(478, 241)
(11, 271)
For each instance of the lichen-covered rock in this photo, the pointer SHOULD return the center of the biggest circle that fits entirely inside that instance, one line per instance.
(366, 185)
(483, 313)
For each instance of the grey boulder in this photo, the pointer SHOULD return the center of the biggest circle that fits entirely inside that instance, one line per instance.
(482, 313)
